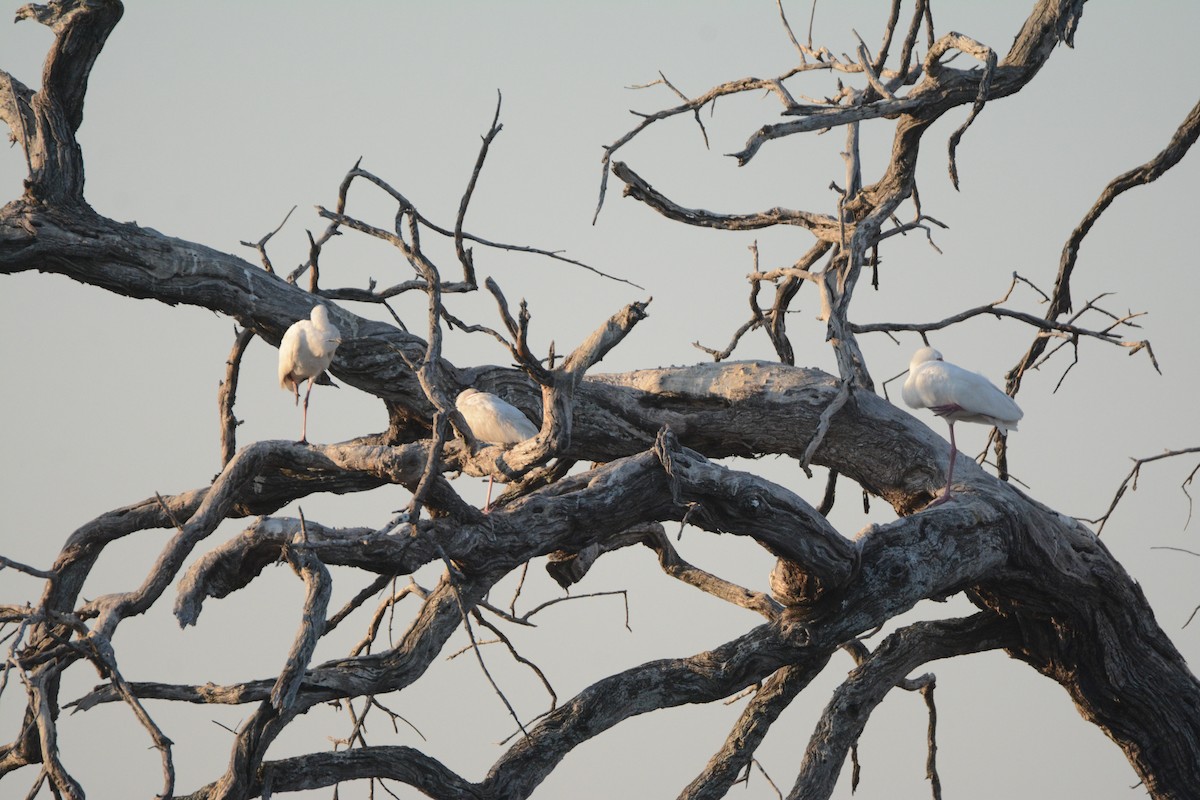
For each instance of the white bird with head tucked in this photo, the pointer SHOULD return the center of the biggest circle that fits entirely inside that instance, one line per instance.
(493, 421)
(955, 394)
(306, 351)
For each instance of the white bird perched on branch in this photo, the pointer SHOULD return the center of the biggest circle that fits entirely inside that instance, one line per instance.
(955, 394)
(306, 351)
(493, 421)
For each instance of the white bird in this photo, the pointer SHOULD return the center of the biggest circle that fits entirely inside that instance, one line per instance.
(493, 421)
(306, 351)
(955, 394)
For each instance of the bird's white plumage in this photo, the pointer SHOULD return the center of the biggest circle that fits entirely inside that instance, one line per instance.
(957, 394)
(305, 351)
(493, 420)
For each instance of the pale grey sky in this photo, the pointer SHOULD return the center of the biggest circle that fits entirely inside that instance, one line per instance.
(208, 121)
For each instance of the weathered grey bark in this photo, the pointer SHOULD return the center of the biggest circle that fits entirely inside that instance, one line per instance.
(1048, 591)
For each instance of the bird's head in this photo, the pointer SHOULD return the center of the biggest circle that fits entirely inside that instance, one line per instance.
(923, 355)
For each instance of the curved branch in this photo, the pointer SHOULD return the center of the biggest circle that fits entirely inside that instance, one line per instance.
(590, 507)
(101, 653)
(1181, 141)
(318, 586)
(822, 226)
(776, 694)
(1060, 303)
(227, 393)
(1131, 482)
(804, 637)
(1083, 621)
(820, 119)
(964, 44)
(48, 119)
(318, 770)
(1049, 328)
(848, 710)
(568, 569)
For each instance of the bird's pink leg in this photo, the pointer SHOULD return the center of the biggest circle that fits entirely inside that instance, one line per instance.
(304, 415)
(950, 472)
(487, 504)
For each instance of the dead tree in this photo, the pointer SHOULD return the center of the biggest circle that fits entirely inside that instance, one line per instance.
(1048, 592)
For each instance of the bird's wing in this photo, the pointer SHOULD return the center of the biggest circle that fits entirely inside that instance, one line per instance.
(939, 383)
(493, 420)
(289, 354)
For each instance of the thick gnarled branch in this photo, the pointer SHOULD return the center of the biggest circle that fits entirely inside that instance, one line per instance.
(44, 122)
(1081, 619)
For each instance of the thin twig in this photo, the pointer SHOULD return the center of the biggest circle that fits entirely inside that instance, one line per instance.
(519, 658)
(1130, 482)
(28, 570)
(931, 773)
(479, 657)
(261, 244)
(227, 393)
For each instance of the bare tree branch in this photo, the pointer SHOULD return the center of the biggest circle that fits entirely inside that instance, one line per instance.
(227, 393)
(261, 244)
(1048, 591)
(1182, 140)
(1130, 482)
(769, 701)
(847, 713)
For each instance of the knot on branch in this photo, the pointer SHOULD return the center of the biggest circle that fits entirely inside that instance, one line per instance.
(666, 445)
(753, 504)
(793, 585)
(667, 450)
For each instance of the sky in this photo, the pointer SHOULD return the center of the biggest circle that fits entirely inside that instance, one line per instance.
(209, 122)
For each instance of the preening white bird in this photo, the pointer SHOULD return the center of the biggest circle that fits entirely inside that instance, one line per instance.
(306, 351)
(493, 421)
(956, 394)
